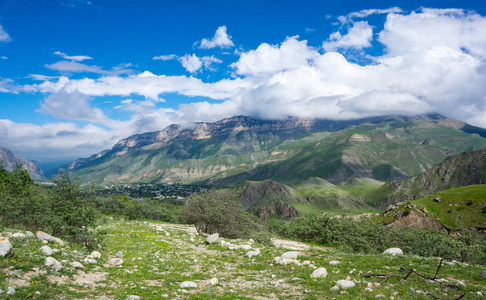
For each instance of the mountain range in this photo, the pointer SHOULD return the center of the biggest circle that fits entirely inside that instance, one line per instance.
(233, 150)
(10, 160)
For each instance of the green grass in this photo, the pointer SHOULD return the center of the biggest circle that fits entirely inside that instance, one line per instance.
(155, 264)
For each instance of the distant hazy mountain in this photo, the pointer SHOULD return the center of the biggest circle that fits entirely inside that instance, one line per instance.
(236, 149)
(11, 159)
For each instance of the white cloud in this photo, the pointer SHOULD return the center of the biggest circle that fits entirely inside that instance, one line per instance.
(75, 67)
(359, 36)
(4, 36)
(193, 63)
(165, 57)
(73, 58)
(268, 59)
(4, 57)
(71, 106)
(220, 39)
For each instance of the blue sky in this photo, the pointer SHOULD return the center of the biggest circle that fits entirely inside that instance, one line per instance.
(76, 76)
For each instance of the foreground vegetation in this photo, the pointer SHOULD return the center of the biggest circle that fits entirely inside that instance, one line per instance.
(158, 256)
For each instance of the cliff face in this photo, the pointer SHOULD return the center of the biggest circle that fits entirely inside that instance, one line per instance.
(11, 159)
(459, 170)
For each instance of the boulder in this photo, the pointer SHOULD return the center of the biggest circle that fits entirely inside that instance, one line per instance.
(47, 250)
(345, 284)
(90, 261)
(319, 273)
(250, 254)
(213, 238)
(291, 255)
(393, 251)
(5, 246)
(187, 284)
(45, 237)
(95, 254)
(115, 262)
(19, 235)
(51, 262)
(29, 234)
(77, 265)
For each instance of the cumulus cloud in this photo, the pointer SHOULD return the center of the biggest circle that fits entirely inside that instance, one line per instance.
(75, 67)
(71, 106)
(193, 63)
(73, 58)
(220, 39)
(359, 36)
(4, 36)
(165, 57)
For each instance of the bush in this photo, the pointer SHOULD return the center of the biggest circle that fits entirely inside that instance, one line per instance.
(219, 211)
(364, 236)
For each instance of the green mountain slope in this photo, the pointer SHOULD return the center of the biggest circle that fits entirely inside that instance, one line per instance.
(234, 150)
(459, 170)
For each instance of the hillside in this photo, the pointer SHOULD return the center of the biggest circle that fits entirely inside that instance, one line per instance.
(237, 149)
(10, 160)
(459, 170)
(453, 208)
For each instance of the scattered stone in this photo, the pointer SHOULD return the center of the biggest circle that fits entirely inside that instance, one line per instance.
(290, 254)
(213, 238)
(10, 290)
(95, 254)
(44, 236)
(335, 288)
(251, 240)
(46, 250)
(51, 262)
(192, 240)
(319, 273)
(380, 296)
(90, 261)
(369, 289)
(312, 266)
(306, 263)
(19, 235)
(115, 262)
(244, 247)
(188, 284)
(77, 265)
(277, 259)
(393, 251)
(133, 297)
(213, 281)
(345, 284)
(334, 262)
(482, 273)
(285, 261)
(250, 254)
(119, 254)
(29, 234)
(5, 246)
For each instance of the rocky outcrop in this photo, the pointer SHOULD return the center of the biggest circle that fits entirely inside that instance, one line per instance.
(10, 160)
(416, 219)
(283, 210)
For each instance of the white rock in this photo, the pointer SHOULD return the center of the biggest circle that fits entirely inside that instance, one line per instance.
(119, 254)
(10, 290)
(277, 259)
(345, 284)
(290, 254)
(285, 261)
(335, 288)
(76, 264)
(18, 235)
(213, 238)
(393, 251)
(192, 240)
(44, 236)
(250, 254)
(5, 246)
(167, 234)
(306, 263)
(29, 234)
(51, 262)
(90, 261)
(334, 262)
(115, 262)
(46, 250)
(134, 297)
(312, 266)
(369, 289)
(319, 273)
(244, 247)
(296, 262)
(95, 254)
(213, 281)
(187, 284)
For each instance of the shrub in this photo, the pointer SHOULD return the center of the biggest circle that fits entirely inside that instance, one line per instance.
(219, 211)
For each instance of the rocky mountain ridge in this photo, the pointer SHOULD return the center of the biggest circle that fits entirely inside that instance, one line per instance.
(10, 160)
(237, 149)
